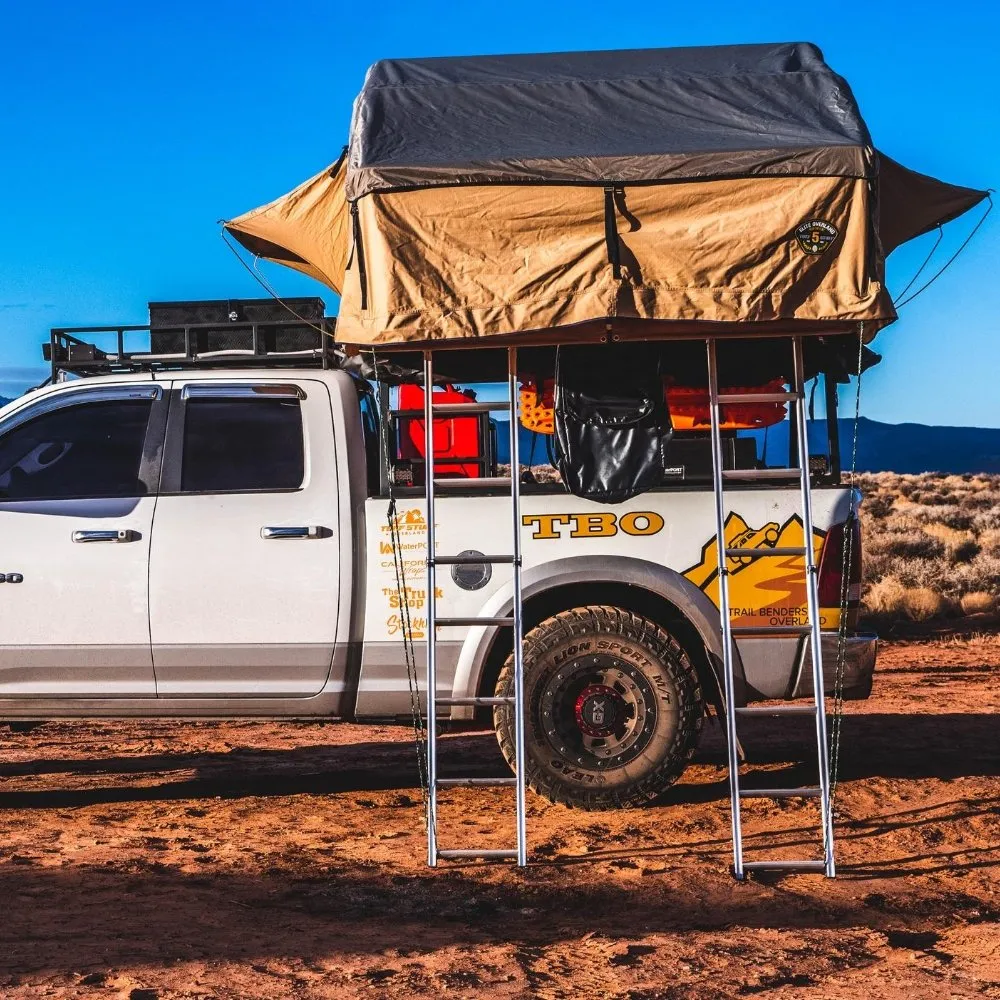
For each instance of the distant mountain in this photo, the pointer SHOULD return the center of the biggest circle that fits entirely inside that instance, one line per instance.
(881, 447)
(901, 447)
(4, 400)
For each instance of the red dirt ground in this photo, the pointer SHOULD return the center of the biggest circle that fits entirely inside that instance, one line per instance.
(166, 860)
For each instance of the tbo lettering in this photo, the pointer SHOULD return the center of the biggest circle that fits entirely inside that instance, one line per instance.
(599, 524)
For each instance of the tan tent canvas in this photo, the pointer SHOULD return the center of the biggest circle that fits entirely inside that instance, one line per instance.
(657, 192)
(307, 229)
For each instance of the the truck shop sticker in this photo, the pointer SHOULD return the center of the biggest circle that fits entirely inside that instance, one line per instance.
(408, 532)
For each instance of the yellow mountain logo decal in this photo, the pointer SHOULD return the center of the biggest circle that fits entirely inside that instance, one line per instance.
(762, 591)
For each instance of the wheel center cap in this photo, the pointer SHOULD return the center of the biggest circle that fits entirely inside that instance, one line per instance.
(598, 709)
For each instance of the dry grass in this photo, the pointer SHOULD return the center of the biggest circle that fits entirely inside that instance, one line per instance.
(978, 602)
(931, 545)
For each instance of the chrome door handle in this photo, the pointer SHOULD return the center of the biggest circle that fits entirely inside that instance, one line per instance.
(304, 531)
(120, 535)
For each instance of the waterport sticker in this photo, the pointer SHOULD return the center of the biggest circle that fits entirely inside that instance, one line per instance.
(816, 236)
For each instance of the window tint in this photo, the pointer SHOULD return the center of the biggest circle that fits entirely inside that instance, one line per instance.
(242, 444)
(86, 450)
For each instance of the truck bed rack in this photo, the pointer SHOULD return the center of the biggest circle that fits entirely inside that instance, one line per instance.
(256, 345)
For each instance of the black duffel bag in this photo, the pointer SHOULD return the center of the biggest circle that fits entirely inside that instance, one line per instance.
(611, 419)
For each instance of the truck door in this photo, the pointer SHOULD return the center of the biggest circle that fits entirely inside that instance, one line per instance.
(245, 556)
(78, 475)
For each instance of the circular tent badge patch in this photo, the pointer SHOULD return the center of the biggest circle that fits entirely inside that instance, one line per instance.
(815, 235)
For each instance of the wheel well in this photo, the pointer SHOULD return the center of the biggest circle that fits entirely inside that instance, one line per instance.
(636, 599)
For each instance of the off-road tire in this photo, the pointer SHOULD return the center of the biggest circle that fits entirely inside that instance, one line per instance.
(649, 666)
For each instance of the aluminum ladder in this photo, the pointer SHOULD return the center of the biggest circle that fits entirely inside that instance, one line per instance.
(796, 398)
(513, 559)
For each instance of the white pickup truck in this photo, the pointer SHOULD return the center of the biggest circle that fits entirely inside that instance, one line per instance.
(216, 543)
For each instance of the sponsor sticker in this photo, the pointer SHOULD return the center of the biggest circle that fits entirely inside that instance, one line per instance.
(815, 236)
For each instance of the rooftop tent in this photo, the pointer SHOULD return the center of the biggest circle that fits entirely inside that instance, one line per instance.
(306, 229)
(668, 192)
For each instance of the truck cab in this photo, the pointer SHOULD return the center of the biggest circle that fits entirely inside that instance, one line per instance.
(177, 540)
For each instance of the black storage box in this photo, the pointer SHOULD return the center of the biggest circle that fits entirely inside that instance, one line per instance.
(230, 325)
(689, 456)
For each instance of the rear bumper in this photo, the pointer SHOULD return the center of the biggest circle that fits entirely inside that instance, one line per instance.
(857, 671)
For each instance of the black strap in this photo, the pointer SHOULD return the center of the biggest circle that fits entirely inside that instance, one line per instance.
(611, 232)
(360, 250)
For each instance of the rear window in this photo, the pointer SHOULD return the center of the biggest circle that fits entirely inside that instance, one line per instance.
(242, 444)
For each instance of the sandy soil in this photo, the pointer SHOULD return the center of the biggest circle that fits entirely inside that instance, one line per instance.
(158, 860)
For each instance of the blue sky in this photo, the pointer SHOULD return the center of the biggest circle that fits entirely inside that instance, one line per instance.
(128, 129)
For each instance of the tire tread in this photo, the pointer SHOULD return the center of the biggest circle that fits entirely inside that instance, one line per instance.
(608, 619)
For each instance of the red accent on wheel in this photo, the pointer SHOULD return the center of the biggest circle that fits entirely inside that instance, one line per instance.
(590, 715)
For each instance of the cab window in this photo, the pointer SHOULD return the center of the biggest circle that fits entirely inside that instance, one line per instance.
(241, 444)
(85, 450)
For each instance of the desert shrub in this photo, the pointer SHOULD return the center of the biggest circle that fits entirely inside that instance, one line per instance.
(978, 602)
(982, 573)
(878, 505)
(987, 520)
(946, 534)
(989, 540)
(921, 604)
(982, 500)
(937, 498)
(948, 514)
(901, 520)
(886, 596)
(908, 545)
(962, 551)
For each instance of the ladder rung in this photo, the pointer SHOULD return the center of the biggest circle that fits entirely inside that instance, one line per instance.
(765, 551)
(453, 409)
(471, 483)
(751, 474)
(485, 855)
(476, 702)
(451, 460)
(758, 397)
(780, 793)
(767, 630)
(777, 866)
(456, 622)
(464, 409)
(476, 560)
(777, 710)
(474, 782)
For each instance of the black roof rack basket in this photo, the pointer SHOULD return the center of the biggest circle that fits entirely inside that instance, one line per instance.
(290, 343)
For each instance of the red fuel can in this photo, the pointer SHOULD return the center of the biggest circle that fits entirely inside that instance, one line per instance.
(457, 438)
